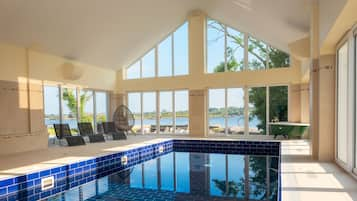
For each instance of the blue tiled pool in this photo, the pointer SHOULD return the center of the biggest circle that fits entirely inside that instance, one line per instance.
(184, 176)
(169, 170)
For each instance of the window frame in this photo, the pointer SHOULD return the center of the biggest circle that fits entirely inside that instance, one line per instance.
(246, 108)
(351, 162)
(157, 92)
(156, 53)
(77, 90)
(245, 56)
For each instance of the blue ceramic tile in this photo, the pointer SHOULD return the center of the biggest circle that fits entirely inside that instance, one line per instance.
(6, 182)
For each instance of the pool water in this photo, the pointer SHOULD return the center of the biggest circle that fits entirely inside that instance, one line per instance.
(185, 176)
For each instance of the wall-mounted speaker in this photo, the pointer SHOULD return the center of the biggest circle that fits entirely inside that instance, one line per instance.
(71, 71)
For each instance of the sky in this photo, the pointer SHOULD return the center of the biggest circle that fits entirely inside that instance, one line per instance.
(165, 59)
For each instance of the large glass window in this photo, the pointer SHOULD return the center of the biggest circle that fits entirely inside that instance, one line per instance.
(257, 110)
(101, 99)
(86, 106)
(51, 108)
(229, 110)
(181, 111)
(149, 112)
(226, 111)
(168, 58)
(215, 46)
(181, 50)
(172, 111)
(342, 103)
(133, 72)
(166, 112)
(77, 106)
(217, 111)
(227, 50)
(70, 108)
(165, 57)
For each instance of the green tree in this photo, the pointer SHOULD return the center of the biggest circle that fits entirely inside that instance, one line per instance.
(71, 101)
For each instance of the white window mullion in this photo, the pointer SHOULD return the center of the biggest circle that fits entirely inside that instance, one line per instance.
(267, 58)
(94, 111)
(174, 111)
(226, 111)
(172, 56)
(141, 113)
(245, 67)
(60, 97)
(225, 49)
(78, 104)
(141, 68)
(156, 62)
(267, 112)
(246, 111)
(157, 112)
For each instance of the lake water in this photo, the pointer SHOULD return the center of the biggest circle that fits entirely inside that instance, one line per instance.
(232, 121)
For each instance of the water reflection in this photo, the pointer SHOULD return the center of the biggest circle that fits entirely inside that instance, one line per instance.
(188, 176)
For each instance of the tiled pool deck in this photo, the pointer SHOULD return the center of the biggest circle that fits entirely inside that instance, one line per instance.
(24, 183)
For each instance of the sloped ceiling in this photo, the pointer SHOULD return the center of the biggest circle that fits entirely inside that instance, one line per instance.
(113, 33)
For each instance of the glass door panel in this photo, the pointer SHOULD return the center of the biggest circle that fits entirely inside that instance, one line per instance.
(235, 111)
(216, 111)
(166, 112)
(257, 111)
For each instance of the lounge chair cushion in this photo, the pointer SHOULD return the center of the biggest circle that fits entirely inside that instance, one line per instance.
(96, 138)
(119, 136)
(85, 129)
(109, 127)
(75, 140)
(62, 130)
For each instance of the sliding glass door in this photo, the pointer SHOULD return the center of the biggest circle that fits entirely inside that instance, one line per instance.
(166, 112)
(216, 111)
(342, 103)
(134, 105)
(149, 112)
(257, 110)
(235, 111)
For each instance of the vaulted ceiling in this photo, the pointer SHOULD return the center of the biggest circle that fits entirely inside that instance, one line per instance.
(113, 33)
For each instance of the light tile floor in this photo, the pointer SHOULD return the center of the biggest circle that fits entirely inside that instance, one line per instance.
(304, 179)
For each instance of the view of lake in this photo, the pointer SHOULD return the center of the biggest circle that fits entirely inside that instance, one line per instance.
(232, 121)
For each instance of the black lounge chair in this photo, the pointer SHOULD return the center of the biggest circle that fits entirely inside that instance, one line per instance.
(64, 132)
(85, 129)
(109, 129)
